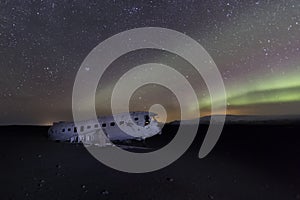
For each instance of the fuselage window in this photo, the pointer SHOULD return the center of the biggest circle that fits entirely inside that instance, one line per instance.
(136, 118)
(104, 125)
(82, 128)
(112, 123)
(88, 127)
(147, 120)
(63, 130)
(96, 126)
(69, 129)
(75, 130)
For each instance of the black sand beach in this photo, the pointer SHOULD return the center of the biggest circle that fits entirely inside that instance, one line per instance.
(248, 162)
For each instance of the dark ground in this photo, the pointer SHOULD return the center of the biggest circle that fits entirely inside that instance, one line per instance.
(248, 162)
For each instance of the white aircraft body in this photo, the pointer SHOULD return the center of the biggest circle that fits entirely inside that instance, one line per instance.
(88, 132)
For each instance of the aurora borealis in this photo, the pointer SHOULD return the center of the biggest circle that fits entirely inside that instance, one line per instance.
(255, 44)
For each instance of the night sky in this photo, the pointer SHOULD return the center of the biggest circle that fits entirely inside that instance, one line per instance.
(255, 44)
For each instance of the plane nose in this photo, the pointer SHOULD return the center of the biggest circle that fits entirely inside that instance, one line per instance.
(50, 131)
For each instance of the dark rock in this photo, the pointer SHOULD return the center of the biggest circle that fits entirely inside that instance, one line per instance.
(170, 179)
(58, 166)
(104, 192)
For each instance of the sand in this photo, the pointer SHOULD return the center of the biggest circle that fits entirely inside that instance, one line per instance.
(248, 162)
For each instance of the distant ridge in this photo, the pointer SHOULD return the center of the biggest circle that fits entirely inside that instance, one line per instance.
(246, 119)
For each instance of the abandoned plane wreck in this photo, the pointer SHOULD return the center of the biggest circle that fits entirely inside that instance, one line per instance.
(114, 127)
